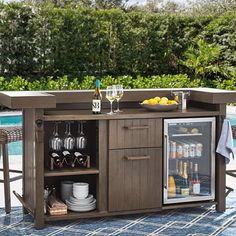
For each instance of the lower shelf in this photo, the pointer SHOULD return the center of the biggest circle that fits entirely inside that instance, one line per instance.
(69, 172)
(74, 215)
(96, 213)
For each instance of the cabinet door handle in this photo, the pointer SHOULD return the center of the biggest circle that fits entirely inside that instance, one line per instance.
(136, 127)
(135, 158)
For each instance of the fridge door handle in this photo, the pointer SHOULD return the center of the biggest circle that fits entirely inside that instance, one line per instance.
(166, 150)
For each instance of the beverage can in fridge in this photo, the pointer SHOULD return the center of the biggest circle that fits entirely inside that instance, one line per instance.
(179, 150)
(192, 150)
(172, 149)
(199, 148)
(185, 150)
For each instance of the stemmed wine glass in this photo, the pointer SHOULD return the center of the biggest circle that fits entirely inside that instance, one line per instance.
(55, 141)
(111, 94)
(81, 140)
(119, 95)
(55, 145)
(69, 140)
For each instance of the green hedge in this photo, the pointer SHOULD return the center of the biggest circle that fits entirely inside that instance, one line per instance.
(41, 42)
(88, 82)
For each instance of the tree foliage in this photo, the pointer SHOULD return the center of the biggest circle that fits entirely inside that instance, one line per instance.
(202, 58)
(55, 41)
(210, 7)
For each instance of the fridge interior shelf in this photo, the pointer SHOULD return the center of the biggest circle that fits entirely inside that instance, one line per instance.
(186, 135)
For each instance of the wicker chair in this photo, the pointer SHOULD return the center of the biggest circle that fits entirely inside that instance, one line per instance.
(8, 134)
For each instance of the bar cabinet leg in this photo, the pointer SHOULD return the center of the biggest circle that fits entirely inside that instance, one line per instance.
(39, 223)
(220, 166)
(6, 180)
(220, 180)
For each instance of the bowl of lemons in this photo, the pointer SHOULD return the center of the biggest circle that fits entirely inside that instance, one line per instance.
(159, 104)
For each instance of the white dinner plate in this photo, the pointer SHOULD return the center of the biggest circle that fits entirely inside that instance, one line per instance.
(82, 209)
(70, 204)
(87, 200)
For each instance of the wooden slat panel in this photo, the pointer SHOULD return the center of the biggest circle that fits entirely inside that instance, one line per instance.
(135, 133)
(27, 99)
(135, 184)
(102, 160)
(44, 99)
(39, 170)
(137, 113)
(220, 166)
(29, 159)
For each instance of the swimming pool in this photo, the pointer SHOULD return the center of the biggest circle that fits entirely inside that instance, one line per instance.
(232, 120)
(14, 148)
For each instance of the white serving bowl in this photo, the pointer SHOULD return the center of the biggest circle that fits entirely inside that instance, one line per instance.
(80, 190)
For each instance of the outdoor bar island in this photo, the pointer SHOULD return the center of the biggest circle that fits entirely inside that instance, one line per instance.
(136, 161)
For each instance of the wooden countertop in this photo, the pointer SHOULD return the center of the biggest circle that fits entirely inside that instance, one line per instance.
(137, 113)
(50, 99)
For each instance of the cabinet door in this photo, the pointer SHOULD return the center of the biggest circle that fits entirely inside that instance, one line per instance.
(135, 179)
(135, 133)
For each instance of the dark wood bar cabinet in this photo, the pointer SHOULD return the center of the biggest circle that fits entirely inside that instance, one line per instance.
(127, 150)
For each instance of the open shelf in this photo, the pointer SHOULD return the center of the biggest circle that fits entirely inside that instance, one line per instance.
(186, 158)
(73, 215)
(186, 135)
(70, 172)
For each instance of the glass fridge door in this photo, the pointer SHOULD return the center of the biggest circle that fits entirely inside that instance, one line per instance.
(189, 164)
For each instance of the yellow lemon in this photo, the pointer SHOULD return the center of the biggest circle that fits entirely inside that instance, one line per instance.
(157, 99)
(164, 99)
(145, 102)
(172, 102)
(152, 101)
(163, 102)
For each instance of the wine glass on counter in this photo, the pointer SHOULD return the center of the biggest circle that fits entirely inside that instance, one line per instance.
(111, 94)
(119, 95)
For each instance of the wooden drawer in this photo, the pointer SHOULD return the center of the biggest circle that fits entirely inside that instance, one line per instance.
(135, 133)
(135, 179)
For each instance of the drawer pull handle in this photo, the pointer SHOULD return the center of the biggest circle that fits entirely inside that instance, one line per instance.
(136, 127)
(135, 158)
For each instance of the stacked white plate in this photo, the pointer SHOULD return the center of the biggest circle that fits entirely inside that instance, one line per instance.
(86, 204)
(81, 200)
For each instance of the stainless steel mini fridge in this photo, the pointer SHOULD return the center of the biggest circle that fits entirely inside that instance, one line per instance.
(189, 160)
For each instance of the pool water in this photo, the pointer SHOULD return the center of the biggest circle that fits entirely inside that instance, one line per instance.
(14, 148)
(232, 120)
(11, 120)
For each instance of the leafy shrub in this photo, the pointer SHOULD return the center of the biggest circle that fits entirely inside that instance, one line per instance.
(88, 82)
(41, 42)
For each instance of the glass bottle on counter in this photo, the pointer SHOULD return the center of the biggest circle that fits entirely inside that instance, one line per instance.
(185, 182)
(196, 181)
(97, 99)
